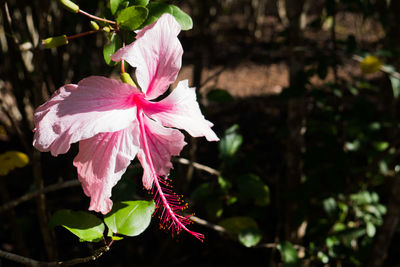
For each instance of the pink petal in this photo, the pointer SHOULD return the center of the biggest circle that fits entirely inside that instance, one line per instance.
(162, 144)
(102, 160)
(156, 54)
(77, 112)
(181, 110)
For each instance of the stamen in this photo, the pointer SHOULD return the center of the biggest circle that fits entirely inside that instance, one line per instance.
(167, 202)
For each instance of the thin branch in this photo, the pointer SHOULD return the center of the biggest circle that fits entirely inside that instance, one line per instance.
(197, 166)
(223, 230)
(212, 226)
(31, 262)
(73, 183)
(95, 17)
(34, 194)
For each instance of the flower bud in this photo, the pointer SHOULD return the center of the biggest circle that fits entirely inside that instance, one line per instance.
(70, 6)
(126, 78)
(94, 25)
(106, 29)
(52, 42)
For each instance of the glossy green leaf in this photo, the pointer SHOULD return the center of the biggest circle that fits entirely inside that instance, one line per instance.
(251, 187)
(114, 5)
(250, 237)
(130, 218)
(132, 17)
(84, 225)
(288, 253)
(157, 8)
(111, 48)
(219, 95)
(230, 142)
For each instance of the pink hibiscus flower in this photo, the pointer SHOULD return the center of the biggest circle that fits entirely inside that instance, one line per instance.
(113, 122)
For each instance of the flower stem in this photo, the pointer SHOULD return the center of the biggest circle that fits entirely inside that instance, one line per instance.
(95, 17)
(81, 34)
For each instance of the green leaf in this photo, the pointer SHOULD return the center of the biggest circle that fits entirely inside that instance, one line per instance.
(219, 95)
(381, 146)
(202, 193)
(330, 205)
(157, 8)
(251, 187)
(224, 184)
(250, 237)
(114, 5)
(370, 64)
(238, 224)
(230, 142)
(395, 86)
(288, 253)
(130, 218)
(138, 2)
(84, 225)
(371, 229)
(111, 48)
(182, 18)
(132, 17)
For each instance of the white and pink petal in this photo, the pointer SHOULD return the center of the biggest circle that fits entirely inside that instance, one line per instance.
(157, 145)
(156, 54)
(181, 110)
(77, 112)
(102, 160)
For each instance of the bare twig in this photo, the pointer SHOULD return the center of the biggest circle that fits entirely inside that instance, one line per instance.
(223, 230)
(34, 194)
(207, 224)
(198, 166)
(73, 183)
(31, 262)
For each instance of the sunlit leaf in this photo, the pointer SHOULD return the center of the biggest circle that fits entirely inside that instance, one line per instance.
(288, 253)
(132, 17)
(130, 218)
(157, 8)
(370, 64)
(371, 229)
(11, 160)
(395, 86)
(84, 225)
(329, 205)
(114, 5)
(323, 257)
(224, 183)
(250, 237)
(381, 146)
(230, 142)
